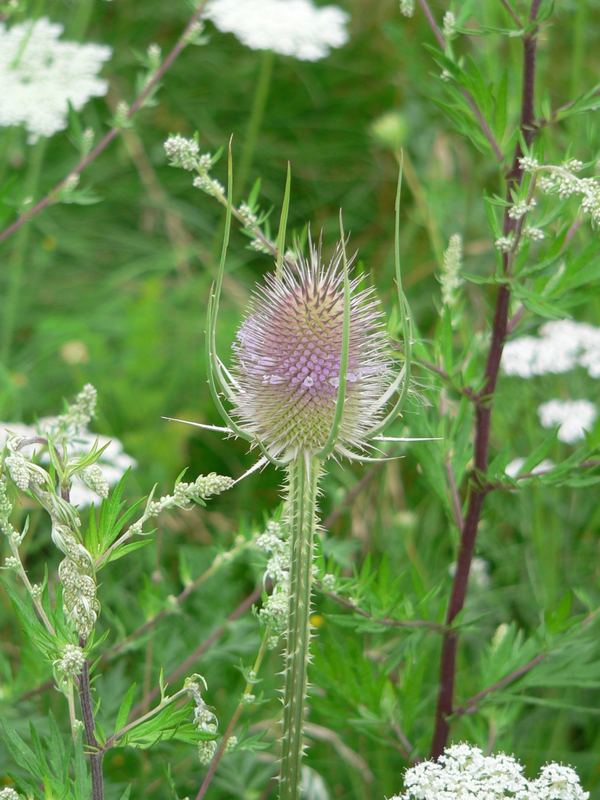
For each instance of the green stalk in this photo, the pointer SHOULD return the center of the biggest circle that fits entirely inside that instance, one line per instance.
(303, 476)
(259, 103)
(17, 259)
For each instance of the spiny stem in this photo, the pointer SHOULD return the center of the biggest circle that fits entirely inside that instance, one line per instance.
(303, 479)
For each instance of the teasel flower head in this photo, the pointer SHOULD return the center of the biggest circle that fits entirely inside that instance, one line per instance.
(288, 359)
(312, 374)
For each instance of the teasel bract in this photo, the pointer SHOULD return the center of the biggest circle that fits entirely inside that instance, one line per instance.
(311, 379)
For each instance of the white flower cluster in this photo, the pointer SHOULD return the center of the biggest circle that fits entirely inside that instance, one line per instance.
(184, 496)
(521, 208)
(407, 7)
(24, 473)
(9, 794)
(564, 182)
(93, 482)
(463, 772)
(40, 76)
(77, 575)
(182, 152)
(274, 611)
(504, 243)
(449, 25)
(290, 27)
(450, 278)
(6, 508)
(71, 663)
(185, 154)
(514, 468)
(205, 720)
(573, 418)
(561, 346)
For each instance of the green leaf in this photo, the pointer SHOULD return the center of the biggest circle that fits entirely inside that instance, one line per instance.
(125, 707)
(128, 547)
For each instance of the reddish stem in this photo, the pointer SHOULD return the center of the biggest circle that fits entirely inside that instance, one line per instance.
(483, 414)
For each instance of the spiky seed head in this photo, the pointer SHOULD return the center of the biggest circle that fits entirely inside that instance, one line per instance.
(287, 359)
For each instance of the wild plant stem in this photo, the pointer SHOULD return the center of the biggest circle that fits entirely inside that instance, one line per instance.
(167, 701)
(483, 414)
(150, 86)
(87, 712)
(259, 103)
(188, 663)
(233, 721)
(27, 583)
(17, 260)
(483, 123)
(303, 478)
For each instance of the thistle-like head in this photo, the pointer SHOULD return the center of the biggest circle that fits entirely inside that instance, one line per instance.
(288, 360)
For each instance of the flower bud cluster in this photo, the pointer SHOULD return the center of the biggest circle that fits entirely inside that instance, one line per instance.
(274, 612)
(533, 233)
(9, 794)
(205, 720)
(182, 152)
(563, 182)
(450, 278)
(464, 772)
(504, 243)
(206, 751)
(185, 494)
(25, 474)
(71, 663)
(210, 186)
(80, 413)
(521, 208)
(76, 573)
(94, 479)
(185, 154)
(407, 7)
(449, 25)
(247, 216)
(6, 526)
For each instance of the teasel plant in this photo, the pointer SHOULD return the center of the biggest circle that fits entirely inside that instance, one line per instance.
(312, 379)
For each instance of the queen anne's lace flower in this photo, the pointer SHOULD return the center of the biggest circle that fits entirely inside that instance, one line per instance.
(289, 27)
(41, 75)
(113, 462)
(560, 346)
(514, 468)
(463, 772)
(573, 418)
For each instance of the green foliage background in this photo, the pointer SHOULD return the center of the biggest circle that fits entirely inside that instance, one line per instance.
(114, 277)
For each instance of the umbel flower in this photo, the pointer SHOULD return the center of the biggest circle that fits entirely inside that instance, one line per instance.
(41, 75)
(289, 27)
(463, 772)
